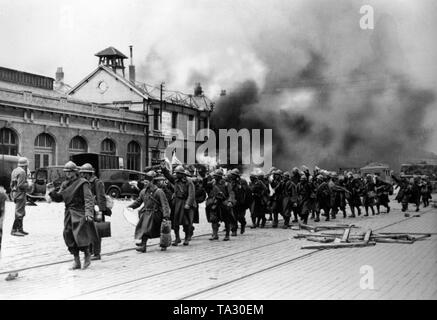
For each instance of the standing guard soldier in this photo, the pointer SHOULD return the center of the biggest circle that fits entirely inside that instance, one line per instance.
(155, 209)
(415, 192)
(98, 190)
(219, 204)
(79, 229)
(287, 199)
(241, 191)
(19, 187)
(183, 203)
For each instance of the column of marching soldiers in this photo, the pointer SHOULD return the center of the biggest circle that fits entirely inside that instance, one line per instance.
(172, 199)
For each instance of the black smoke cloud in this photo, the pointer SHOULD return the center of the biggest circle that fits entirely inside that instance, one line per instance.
(330, 106)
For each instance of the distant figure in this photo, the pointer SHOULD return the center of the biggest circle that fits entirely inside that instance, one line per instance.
(79, 229)
(3, 198)
(19, 187)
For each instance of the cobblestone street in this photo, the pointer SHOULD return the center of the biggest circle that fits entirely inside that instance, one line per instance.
(261, 264)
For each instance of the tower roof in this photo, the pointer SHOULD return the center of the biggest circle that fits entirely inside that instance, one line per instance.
(110, 51)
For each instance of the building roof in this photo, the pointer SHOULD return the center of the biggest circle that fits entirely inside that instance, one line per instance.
(375, 165)
(200, 102)
(110, 51)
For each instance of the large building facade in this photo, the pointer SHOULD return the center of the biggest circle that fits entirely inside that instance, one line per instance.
(47, 121)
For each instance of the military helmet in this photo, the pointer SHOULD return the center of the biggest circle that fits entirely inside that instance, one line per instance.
(180, 169)
(219, 172)
(235, 172)
(319, 177)
(150, 175)
(278, 171)
(23, 162)
(303, 178)
(70, 166)
(305, 168)
(86, 168)
(287, 174)
(295, 170)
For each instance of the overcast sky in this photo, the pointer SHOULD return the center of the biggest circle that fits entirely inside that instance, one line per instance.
(217, 42)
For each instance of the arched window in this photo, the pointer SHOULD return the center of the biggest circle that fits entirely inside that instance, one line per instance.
(77, 145)
(108, 147)
(8, 142)
(44, 150)
(133, 156)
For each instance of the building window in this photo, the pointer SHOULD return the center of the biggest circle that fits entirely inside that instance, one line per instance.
(44, 150)
(155, 119)
(133, 156)
(77, 145)
(108, 147)
(8, 142)
(174, 120)
(156, 157)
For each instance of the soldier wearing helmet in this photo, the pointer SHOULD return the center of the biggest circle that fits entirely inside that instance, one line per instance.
(155, 209)
(277, 185)
(241, 190)
(425, 191)
(79, 229)
(304, 198)
(219, 205)
(100, 209)
(19, 187)
(183, 205)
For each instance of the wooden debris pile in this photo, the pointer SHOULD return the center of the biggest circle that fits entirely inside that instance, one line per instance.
(347, 240)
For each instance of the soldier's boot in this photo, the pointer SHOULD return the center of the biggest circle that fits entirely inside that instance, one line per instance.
(378, 209)
(177, 238)
(15, 228)
(253, 226)
(295, 217)
(344, 212)
(243, 228)
(226, 238)
(275, 221)
(21, 227)
(263, 222)
(286, 223)
(143, 246)
(367, 211)
(388, 209)
(87, 259)
(214, 235)
(76, 262)
(373, 211)
(353, 212)
(359, 211)
(270, 217)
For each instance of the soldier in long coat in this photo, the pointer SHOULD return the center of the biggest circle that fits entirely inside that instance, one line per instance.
(426, 190)
(183, 204)
(404, 192)
(382, 192)
(241, 192)
(323, 198)
(304, 198)
(289, 198)
(369, 194)
(219, 205)
(79, 230)
(276, 199)
(354, 186)
(98, 190)
(19, 187)
(154, 210)
(258, 204)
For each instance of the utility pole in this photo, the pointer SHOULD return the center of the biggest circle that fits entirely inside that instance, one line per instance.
(160, 102)
(146, 113)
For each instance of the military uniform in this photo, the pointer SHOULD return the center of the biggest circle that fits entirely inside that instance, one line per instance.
(19, 187)
(241, 190)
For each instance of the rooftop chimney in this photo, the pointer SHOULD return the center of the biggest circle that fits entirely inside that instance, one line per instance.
(131, 67)
(59, 75)
(198, 90)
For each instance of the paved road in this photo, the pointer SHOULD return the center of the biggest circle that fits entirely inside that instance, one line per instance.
(261, 264)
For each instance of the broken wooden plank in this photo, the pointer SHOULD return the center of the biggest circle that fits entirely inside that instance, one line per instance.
(320, 239)
(385, 240)
(340, 245)
(367, 236)
(307, 227)
(345, 237)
